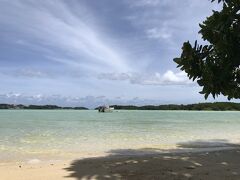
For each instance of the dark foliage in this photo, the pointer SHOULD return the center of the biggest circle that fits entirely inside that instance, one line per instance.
(216, 66)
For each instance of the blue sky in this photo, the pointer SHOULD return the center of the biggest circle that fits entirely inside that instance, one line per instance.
(81, 52)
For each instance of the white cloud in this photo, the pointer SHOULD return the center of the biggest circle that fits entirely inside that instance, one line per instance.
(115, 76)
(13, 95)
(146, 3)
(168, 78)
(158, 33)
(31, 73)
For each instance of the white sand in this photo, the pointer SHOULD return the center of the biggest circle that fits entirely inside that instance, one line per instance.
(216, 165)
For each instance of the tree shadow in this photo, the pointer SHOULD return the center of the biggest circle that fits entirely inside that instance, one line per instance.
(192, 160)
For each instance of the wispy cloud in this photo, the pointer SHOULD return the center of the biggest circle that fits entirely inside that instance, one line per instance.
(168, 78)
(51, 25)
(31, 73)
(155, 33)
(146, 2)
(164, 20)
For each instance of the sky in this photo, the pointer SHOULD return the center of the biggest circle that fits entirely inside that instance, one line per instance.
(92, 52)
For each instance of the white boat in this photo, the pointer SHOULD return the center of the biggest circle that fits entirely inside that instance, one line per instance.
(105, 109)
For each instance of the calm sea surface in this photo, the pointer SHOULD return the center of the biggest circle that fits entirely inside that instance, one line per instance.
(28, 134)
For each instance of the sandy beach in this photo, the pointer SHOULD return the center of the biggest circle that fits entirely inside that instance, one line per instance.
(214, 165)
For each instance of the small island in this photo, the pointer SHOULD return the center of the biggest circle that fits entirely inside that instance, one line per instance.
(47, 107)
(216, 106)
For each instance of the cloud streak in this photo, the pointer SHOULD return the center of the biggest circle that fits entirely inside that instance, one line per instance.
(52, 26)
(156, 33)
(169, 21)
(168, 78)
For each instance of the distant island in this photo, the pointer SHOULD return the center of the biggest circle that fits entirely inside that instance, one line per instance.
(20, 106)
(216, 106)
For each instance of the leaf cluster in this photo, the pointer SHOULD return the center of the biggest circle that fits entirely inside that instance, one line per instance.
(216, 66)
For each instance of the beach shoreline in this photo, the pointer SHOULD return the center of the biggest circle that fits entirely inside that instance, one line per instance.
(199, 164)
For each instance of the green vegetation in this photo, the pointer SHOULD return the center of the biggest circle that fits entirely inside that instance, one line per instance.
(216, 65)
(20, 106)
(217, 106)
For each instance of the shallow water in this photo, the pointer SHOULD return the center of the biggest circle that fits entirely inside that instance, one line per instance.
(58, 134)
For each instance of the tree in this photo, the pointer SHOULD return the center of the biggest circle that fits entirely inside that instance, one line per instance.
(216, 66)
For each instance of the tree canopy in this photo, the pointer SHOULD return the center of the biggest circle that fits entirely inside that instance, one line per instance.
(216, 65)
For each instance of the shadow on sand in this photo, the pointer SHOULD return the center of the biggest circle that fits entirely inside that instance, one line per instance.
(192, 160)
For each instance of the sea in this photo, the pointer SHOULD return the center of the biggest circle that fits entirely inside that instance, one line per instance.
(27, 135)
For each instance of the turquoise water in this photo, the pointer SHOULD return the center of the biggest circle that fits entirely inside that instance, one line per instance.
(28, 134)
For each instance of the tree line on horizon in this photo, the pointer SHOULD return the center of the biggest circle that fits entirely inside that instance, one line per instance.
(20, 106)
(216, 106)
